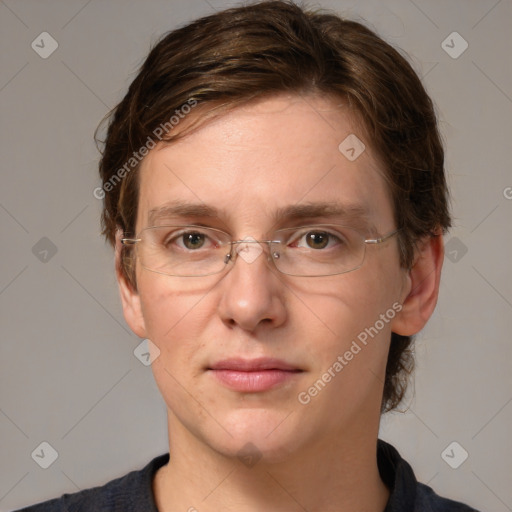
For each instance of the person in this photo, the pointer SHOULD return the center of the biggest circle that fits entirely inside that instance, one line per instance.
(274, 189)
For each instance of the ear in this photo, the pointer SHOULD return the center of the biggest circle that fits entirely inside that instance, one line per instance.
(130, 298)
(423, 287)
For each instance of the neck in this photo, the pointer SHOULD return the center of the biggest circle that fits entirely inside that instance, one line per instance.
(326, 476)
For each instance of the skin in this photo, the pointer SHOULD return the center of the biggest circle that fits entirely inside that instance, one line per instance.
(247, 163)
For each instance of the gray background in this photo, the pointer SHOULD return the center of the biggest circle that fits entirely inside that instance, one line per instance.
(68, 374)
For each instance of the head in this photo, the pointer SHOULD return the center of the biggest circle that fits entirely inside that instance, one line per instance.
(244, 112)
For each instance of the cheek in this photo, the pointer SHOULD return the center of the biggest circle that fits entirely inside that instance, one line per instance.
(174, 315)
(351, 307)
(346, 342)
(176, 321)
(346, 303)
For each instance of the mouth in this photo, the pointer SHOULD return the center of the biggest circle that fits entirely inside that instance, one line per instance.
(253, 375)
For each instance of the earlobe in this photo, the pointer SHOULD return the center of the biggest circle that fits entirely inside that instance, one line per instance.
(130, 298)
(423, 279)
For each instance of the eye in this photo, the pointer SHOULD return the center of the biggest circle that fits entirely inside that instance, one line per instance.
(316, 239)
(189, 241)
(193, 240)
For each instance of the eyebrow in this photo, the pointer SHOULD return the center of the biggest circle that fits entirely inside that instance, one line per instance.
(181, 209)
(354, 214)
(329, 210)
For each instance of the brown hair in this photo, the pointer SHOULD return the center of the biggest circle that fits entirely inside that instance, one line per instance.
(266, 48)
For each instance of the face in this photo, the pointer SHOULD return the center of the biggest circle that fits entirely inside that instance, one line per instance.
(242, 352)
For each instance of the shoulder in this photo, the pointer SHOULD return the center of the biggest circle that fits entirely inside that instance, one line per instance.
(406, 493)
(428, 501)
(131, 492)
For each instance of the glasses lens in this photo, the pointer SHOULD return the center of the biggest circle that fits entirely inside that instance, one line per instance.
(318, 250)
(193, 251)
(183, 250)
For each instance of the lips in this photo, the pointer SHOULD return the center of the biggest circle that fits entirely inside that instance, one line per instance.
(252, 365)
(253, 375)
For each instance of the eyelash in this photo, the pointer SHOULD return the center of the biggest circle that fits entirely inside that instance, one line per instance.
(294, 240)
(332, 237)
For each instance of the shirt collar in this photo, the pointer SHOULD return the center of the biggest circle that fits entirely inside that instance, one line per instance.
(398, 477)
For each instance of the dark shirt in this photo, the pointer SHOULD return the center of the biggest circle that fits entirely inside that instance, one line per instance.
(133, 492)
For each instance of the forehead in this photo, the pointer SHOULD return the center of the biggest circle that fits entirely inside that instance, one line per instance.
(256, 162)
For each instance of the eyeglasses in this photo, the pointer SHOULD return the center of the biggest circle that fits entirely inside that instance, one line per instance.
(307, 251)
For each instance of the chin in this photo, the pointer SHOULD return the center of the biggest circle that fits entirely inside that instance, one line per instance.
(269, 436)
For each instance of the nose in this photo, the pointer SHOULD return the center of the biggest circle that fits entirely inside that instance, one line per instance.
(252, 292)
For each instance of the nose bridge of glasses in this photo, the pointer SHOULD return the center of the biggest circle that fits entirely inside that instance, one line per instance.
(249, 249)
